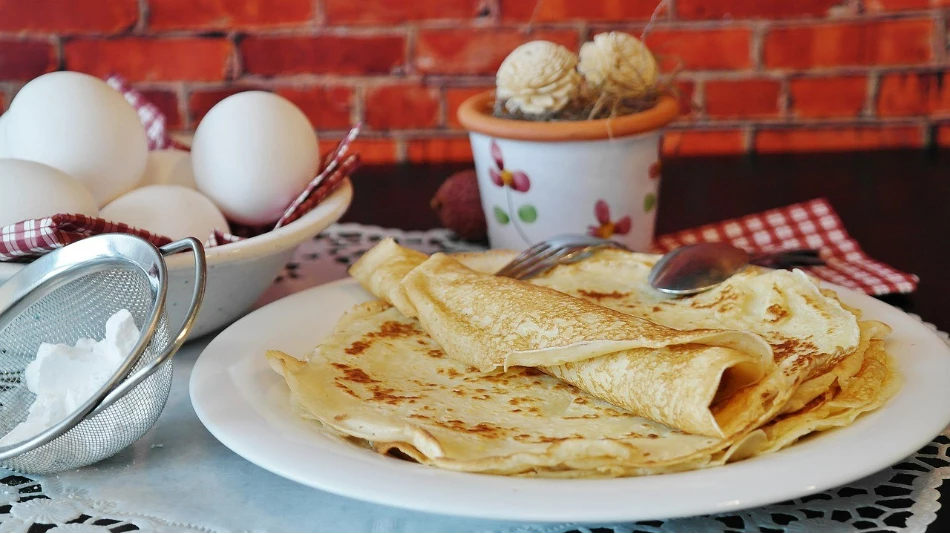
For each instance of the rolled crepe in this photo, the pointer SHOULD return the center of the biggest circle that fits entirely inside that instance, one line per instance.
(681, 378)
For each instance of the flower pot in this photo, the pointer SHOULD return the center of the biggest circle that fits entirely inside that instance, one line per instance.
(541, 179)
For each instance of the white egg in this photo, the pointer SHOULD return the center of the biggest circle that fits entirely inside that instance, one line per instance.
(81, 126)
(31, 190)
(170, 210)
(4, 153)
(169, 167)
(253, 153)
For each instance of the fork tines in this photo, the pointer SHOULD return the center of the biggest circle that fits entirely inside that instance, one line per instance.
(547, 254)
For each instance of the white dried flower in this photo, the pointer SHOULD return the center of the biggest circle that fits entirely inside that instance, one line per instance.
(538, 77)
(618, 64)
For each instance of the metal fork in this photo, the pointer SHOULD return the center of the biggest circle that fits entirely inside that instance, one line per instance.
(547, 254)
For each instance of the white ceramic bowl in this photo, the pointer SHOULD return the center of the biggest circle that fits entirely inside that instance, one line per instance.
(238, 273)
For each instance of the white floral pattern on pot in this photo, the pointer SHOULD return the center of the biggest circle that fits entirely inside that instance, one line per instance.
(533, 190)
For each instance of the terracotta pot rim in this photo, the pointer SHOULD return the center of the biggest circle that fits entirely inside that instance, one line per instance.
(475, 114)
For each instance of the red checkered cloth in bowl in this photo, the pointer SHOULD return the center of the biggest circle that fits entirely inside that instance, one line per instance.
(813, 224)
(29, 239)
(149, 115)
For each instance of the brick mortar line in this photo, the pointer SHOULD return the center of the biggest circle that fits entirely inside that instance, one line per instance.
(365, 135)
(59, 54)
(462, 80)
(358, 109)
(671, 10)
(321, 134)
(42, 35)
(409, 50)
(297, 31)
(416, 134)
(581, 29)
(437, 24)
(699, 98)
(311, 31)
(913, 14)
(865, 71)
(784, 98)
(28, 38)
(816, 72)
(234, 66)
(308, 29)
(633, 28)
(141, 25)
(699, 25)
(401, 149)
(315, 79)
(177, 36)
(871, 95)
(813, 20)
(319, 14)
(184, 107)
(184, 110)
(940, 36)
(757, 47)
(850, 70)
(730, 76)
(719, 24)
(806, 123)
(927, 134)
(247, 83)
(443, 113)
(584, 33)
(748, 139)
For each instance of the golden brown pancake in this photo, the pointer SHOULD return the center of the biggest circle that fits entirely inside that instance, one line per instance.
(380, 379)
(446, 399)
(667, 375)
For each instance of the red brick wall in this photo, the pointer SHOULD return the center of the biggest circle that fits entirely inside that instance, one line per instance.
(762, 75)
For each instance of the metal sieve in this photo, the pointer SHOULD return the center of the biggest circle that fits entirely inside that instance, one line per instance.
(70, 294)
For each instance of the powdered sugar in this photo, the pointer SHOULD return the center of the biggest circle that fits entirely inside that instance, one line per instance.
(65, 377)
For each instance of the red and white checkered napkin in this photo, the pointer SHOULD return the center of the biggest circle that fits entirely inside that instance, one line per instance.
(812, 224)
(32, 238)
(151, 118)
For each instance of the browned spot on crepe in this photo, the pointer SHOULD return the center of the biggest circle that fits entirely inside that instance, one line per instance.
(389, 330)
(597, 295)
(776, 313)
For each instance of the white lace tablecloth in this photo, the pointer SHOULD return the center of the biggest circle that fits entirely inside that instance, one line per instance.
(179, 478)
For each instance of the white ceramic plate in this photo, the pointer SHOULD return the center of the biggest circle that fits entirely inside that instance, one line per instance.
(245, 405)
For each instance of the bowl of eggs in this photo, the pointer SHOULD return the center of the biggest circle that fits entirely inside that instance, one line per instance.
(70, 143)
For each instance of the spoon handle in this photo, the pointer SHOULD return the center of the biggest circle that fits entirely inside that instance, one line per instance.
(785, 259)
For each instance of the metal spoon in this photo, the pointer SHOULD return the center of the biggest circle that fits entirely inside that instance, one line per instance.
(696, 268)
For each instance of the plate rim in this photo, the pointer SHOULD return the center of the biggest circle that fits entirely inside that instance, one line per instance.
(367, 493)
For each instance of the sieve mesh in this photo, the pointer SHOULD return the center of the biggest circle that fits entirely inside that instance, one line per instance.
(78, 309)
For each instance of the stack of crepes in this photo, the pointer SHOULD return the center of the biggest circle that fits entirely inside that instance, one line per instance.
(584, 371)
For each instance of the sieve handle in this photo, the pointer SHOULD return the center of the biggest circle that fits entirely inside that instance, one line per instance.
(201, 271)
